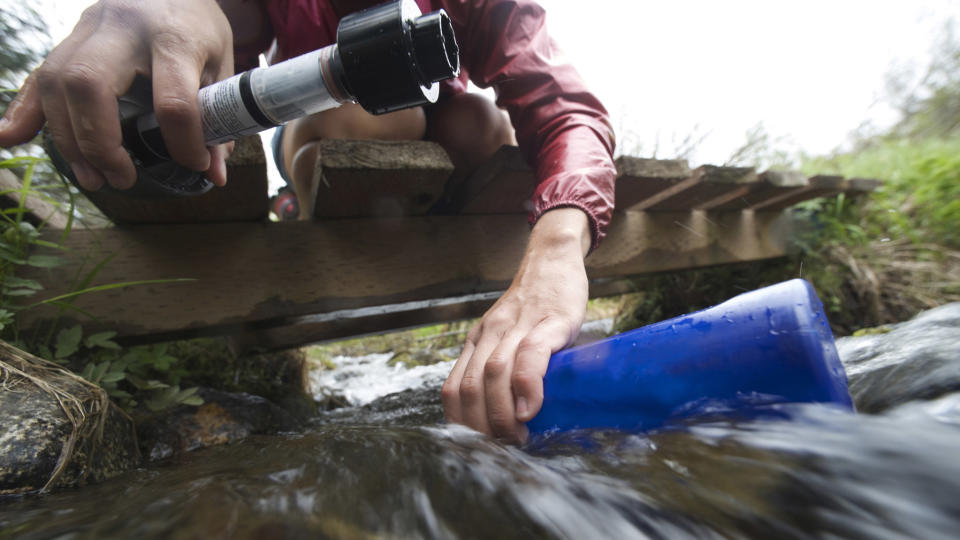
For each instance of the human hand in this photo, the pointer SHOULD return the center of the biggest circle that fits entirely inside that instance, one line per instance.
(180, 44)
(496, 386)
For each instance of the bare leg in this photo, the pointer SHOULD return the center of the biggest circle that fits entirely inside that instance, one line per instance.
(470, 128)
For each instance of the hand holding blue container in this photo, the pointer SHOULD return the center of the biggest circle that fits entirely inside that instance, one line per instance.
(768, 346)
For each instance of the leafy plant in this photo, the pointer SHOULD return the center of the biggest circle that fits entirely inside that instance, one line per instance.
(147, 373)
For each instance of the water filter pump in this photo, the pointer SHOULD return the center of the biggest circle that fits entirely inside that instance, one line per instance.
(386, 58)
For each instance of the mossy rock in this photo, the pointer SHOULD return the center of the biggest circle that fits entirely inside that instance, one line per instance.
(421, 357)
(280, 377)
(58, 430)
(875, 331)
(434, 337)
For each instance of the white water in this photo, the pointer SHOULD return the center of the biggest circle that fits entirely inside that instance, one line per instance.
(362, 379)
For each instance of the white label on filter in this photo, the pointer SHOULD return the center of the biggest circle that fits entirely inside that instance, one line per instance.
(294, 87)
(223, 114)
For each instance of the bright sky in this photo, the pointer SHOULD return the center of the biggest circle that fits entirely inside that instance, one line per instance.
(809, 71)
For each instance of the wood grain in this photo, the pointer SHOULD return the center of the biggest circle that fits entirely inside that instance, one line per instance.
(244, 198)
(256, 275)
(380, 179)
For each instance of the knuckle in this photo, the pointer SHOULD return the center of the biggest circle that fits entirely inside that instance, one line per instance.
(80, 77)
(532, 345)
(48, 79)
(449, 393)
(495, 367)
(523, 379)
(471, 389)
(497, 322)
(93, 150)
(474, 334)
(171, 39)
(175, 109)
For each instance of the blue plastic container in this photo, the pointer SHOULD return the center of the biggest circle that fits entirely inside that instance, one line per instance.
(772, 345)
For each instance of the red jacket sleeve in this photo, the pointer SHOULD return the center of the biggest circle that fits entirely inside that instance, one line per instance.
(562, 129)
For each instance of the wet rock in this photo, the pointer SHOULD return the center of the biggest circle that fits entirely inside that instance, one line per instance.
(223, 418)
(39, 444)
(419, 357)
(592, 331)
(415, 407)
(281, 376)
(917, 359)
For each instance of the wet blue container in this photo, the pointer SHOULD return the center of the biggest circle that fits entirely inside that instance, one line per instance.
(772, 345)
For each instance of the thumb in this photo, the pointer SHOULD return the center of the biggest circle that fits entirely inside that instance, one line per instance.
(24, 116)
(533, 356)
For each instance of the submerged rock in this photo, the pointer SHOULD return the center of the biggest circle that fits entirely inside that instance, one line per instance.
(415, 407)
(917, 359)
(57, 430)
(223, 418)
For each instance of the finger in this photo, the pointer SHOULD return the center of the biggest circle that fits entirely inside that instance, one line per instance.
(61, 133)
(24, 117)
(472, 387)
(450, 393)
(501, 412)
(91, 88)
(217, 173)
(176, 81)
(533, 356)
(50, 89)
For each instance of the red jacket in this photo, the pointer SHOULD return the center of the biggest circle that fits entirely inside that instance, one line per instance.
(562, 129)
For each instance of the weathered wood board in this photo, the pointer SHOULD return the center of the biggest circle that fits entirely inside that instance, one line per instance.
(38, 210)
(503, 185)
(818, 186)
(707, 184)
(244, 198)
(771, 184)
(640, 179)
(257, 275)
(379, 179)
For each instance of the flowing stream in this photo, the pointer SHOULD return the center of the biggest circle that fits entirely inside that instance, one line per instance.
(389, 469)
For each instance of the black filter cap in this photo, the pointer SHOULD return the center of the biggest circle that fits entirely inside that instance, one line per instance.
(435, 47)
(391, 55)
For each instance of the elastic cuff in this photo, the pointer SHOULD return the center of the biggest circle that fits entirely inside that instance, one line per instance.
(535, 215)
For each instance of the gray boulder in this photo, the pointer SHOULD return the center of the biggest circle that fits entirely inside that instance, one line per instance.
(57, 430)
(916, 359)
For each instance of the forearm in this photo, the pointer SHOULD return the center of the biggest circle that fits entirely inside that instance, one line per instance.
(562, 128)
(564, 230)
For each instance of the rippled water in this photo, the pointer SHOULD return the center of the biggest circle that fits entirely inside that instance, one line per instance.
(390, 470)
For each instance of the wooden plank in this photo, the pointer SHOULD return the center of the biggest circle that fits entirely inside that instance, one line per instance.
(39, 211)
(382, 179)
(503, 185)
(818, 186)
(771, 184)
(639, 179)
(707, 184)
(356, 322)
(251, 276)
(244, 198)
(861, 186)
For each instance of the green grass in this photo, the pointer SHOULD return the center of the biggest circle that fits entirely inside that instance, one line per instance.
(920, 198)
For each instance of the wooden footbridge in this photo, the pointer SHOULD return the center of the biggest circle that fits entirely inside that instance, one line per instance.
(399, 240)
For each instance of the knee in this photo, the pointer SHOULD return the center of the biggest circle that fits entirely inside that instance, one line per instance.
(471, 128)
(301, 167)
(352, 122)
